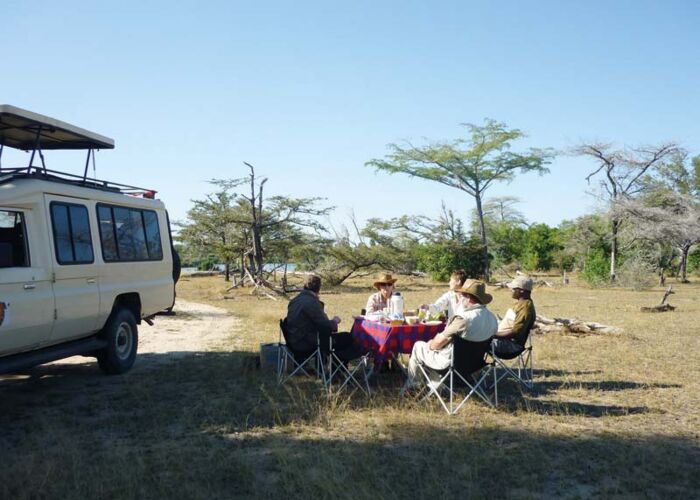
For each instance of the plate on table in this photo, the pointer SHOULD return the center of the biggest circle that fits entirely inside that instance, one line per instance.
(433, 323)
(374, 317)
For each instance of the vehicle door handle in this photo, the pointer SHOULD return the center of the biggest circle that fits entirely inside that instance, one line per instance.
(92, 281)
(29, 286)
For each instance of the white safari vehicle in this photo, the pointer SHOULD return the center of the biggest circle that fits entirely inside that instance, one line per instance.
(82, 261)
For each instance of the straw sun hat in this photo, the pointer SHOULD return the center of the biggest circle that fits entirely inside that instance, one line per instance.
(384, 279)
(477, 289)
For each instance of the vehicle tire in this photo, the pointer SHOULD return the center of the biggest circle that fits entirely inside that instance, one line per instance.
(122, 338)
(177, 265)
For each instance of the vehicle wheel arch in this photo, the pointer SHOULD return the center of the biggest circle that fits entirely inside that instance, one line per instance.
(130, 301)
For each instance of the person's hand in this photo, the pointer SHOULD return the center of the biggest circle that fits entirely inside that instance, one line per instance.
(336, 319)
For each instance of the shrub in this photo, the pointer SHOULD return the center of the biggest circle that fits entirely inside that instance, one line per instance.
(441, 258)
(637, 273)
(694, 261)
(596, 270)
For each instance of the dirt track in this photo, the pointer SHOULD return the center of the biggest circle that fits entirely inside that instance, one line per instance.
(194, 328)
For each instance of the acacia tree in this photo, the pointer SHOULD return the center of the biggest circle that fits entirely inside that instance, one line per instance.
(471, 165)
(664, 217)
(250, 226)
(208, 229)
(263, 216)
(625, 173)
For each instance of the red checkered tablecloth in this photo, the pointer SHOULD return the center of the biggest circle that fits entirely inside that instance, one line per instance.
(382, 339)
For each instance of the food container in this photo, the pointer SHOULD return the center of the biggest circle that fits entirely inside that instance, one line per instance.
(411, 320)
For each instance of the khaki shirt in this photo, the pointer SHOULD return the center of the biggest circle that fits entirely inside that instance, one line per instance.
(475, 324)
(524, 319)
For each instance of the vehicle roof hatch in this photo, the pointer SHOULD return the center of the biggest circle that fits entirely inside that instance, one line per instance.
(25, 130)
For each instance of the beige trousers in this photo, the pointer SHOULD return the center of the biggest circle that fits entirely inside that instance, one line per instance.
(422, 354)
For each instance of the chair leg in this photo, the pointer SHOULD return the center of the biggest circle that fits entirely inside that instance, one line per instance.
(474, 389)
(433, 389)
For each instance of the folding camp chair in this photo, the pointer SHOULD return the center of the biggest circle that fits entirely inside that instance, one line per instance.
(468, 358)
(301, 362)
(517, 365)
(338, 367)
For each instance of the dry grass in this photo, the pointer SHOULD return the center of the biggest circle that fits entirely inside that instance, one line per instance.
(610, 416)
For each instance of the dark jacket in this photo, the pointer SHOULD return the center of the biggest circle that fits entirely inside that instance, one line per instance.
(306, 319)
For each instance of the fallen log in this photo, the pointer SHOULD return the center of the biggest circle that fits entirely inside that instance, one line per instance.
(571, 325)
(662, 306)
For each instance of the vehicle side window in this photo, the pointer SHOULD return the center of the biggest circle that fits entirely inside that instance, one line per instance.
(13, 240)
(155, 249)
(129, 234)
(71, 233)
(108, 236)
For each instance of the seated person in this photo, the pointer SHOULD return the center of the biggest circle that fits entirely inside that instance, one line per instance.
(473, 322)
(378, 301)
(516, 324)
(306, 319)
(449, 300)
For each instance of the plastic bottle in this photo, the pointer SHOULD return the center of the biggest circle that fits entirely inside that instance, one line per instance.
(396, 306)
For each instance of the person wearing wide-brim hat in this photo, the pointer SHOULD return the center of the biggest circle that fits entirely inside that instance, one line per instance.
(515, 327)
(378, 301)
(473, 322)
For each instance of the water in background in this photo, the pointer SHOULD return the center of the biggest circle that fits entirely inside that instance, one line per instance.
(267, 267)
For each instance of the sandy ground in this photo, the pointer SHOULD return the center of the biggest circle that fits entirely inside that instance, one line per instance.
(194, 328)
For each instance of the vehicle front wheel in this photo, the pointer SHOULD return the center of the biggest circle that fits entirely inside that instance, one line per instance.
(122, 338)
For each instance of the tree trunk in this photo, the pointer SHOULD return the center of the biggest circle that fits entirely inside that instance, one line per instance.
(257, 250)
(227, 275)
(615, 226)
(683, 267)
(482, 229)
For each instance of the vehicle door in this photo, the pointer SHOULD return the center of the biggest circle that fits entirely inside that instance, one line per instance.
(76, 289)
(26, 296)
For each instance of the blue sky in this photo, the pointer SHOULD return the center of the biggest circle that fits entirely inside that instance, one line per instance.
(310, 91)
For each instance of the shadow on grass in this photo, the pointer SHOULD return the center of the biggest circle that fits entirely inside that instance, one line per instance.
(572, 408)
(232, 384)
(545, 386)
(210, 425)
(424, 461)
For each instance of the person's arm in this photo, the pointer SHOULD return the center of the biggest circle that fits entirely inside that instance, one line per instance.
(456, 327)
(440, 304)
(371, 306)
(518, 323)
(314, 312)
(438, 342)
(505, 333)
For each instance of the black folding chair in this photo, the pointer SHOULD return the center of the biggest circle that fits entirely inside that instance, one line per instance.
(336, 367)
(301, 362)
(468, 359)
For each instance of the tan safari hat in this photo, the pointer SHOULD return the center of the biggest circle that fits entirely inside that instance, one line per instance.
(384, 279)
(477, 289)
(522, 282)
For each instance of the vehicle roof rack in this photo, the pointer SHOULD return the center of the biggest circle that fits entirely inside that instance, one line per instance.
(29, 131)
(44, 174)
